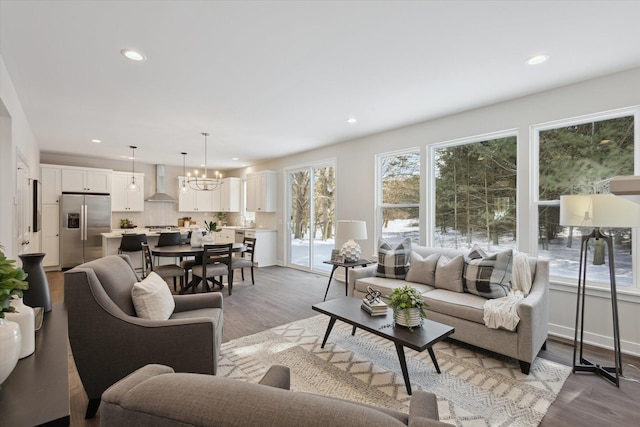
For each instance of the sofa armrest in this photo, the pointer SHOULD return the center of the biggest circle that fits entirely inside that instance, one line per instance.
(358, 273)
(197, 301)
(277, 376)
(534, 315)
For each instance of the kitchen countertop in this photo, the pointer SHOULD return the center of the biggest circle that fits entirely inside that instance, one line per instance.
(117, 233)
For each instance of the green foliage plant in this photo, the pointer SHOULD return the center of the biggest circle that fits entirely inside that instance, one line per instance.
(12, 283)
(405, 297)
(211, 227)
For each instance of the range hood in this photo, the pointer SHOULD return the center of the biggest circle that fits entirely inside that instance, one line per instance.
(160, 195)
(627, 187)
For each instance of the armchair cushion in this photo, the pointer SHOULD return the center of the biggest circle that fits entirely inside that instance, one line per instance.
(152, 298)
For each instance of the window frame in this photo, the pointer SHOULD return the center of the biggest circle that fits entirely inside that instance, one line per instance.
(379, 206)
(534, 189)
(431, 176)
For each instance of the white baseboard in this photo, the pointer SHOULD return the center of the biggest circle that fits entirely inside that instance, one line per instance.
(627, 347)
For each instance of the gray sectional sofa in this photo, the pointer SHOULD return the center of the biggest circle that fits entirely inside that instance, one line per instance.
(156, 396)
(464, 311)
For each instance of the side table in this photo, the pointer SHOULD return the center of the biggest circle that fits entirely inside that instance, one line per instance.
(346, 265)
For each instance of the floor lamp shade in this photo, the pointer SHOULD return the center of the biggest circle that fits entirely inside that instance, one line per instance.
(351, 230)
(597, 211)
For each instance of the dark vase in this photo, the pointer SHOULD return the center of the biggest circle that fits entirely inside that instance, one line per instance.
(38, 293)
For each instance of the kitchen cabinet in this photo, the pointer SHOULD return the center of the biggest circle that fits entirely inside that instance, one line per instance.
(86, 180)
(229, 193)
(50, 239)
(194, 200)
(123, 200)
(265, 250)
(261, 191)
(50, 176)
(226, 235)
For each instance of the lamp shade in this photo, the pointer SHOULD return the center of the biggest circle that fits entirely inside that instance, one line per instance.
(352, 230)
(598, 210)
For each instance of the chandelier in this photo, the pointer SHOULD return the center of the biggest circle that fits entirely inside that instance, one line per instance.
(200, 182)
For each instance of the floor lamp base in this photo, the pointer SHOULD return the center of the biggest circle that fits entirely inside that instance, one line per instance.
(608, 372)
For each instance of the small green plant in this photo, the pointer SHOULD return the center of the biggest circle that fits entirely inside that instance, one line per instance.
(403, 298)
(211, 227)
(12, 283)
(125, 223)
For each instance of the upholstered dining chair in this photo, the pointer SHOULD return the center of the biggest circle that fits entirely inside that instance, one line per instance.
(188, 264)
(216, 262)
(132, 243)
(164, 270)
(246, 259)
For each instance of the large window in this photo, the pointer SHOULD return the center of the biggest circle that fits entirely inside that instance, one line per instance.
(399, 196)
(580, 158)
(475, 193)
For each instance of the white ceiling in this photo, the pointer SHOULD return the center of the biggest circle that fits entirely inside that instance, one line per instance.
(271, 78)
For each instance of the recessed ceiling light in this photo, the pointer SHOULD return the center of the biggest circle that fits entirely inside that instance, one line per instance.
(97, 141)
(352, 120)
(133, 55)
(234, 158)
(538, 59)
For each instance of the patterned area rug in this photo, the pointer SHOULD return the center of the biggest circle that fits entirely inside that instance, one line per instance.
(474, 389)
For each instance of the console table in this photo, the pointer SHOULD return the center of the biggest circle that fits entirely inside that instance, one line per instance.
(37, 391)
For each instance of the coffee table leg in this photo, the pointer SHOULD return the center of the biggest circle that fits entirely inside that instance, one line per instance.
(403, 366)
(326, 334)
(433, 359)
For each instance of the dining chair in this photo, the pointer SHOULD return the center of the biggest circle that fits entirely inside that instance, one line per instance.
(216, 262)
(243, 261)
(133, 243)
(188, 264)
(169, 238)
(164, 271)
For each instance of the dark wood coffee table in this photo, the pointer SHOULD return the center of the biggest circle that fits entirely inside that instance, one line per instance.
(348, 310)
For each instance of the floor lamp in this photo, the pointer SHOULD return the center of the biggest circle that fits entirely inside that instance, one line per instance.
(596, 211)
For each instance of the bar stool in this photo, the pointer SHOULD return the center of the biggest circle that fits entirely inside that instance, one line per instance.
(133, 243)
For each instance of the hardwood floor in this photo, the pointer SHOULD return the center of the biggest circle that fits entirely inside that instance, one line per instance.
(283, 295)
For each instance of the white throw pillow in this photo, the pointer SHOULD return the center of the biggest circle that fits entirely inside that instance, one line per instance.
(152, 298)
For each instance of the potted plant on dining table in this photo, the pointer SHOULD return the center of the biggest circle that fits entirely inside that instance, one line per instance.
(210, 227)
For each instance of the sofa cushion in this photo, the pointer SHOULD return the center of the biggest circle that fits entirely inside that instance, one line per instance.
(461, 305)
(393, 262)
(449, 273)
(488, 275)
(422, 269)
(152, 298)
(386, 286)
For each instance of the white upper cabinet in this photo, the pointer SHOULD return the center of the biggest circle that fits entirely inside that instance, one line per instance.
(194, 200)
(261, 191)
(123, 200)
(86, 180)
(51, 184)
(229, 195)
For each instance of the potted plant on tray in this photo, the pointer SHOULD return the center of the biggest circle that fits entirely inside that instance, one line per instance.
(408, 307)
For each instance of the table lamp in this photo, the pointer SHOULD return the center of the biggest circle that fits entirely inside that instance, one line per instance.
(596, 211)
(352, 230)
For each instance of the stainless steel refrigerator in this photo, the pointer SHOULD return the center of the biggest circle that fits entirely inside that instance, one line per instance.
(82, 218)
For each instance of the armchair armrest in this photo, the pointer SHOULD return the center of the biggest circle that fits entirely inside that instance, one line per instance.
(196, 301)
(277, 376)
(358, 273)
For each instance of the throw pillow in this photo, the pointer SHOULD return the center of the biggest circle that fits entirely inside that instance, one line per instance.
(449, 273)
(152, 298)
(422, 270)
(393, 263)
(488, 276)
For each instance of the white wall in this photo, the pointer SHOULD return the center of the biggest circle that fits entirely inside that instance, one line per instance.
(15, 136)
(356, 174)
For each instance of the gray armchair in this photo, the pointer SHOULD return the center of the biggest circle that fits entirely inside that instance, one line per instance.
(109, 342)
(148, 398)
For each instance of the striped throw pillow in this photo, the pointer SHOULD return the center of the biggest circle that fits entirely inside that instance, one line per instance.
(393, 262)
(488, 276)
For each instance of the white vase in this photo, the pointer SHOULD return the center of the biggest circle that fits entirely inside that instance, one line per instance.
(24, 316)
(208, 239)
(196, 238)
(10, 344)
(413, 318)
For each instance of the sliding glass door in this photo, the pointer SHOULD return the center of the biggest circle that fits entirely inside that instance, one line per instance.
(311, 213)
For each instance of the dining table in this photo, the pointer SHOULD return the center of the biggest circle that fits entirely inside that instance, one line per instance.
(185, 250)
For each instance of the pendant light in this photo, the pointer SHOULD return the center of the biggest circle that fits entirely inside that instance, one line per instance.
(183, 188)
(132, 186)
